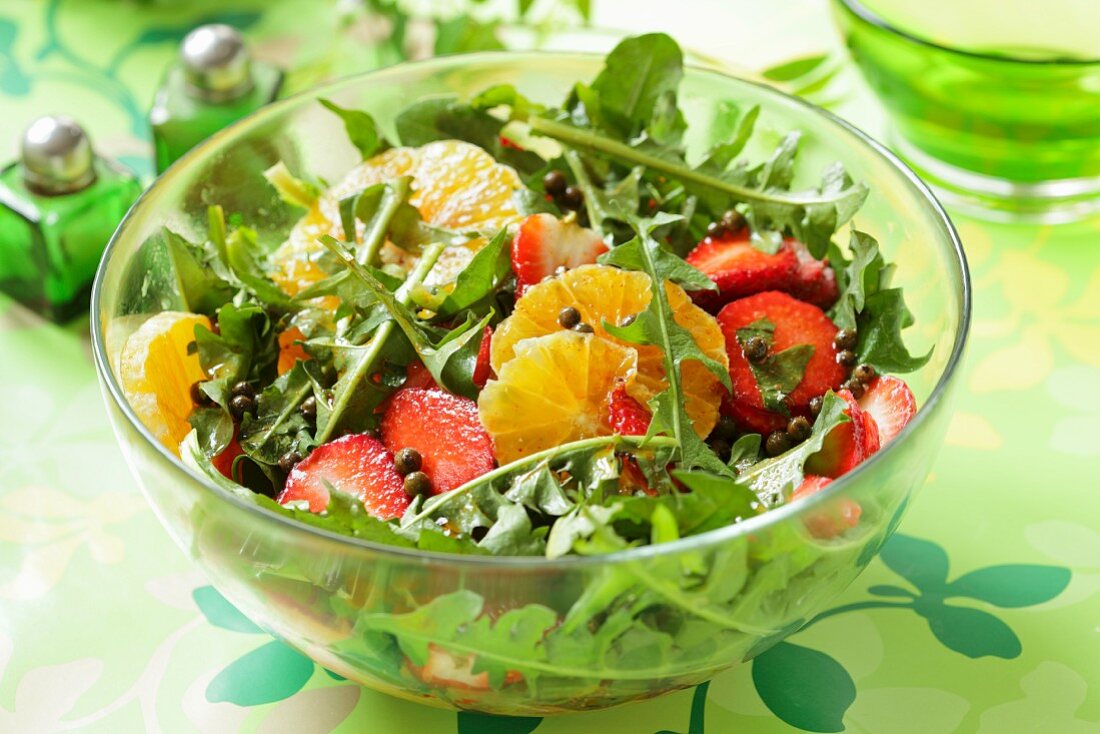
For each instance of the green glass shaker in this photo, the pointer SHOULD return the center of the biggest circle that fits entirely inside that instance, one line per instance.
(59, 205)
(214, 82)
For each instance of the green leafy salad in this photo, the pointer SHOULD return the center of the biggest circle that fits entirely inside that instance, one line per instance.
(528, 330)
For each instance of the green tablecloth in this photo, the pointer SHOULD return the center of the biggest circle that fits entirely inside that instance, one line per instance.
(105, 626)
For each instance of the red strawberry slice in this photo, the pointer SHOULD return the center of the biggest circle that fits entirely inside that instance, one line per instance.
(833, 518)
(814, 280)
(445, 430)
(795, 323)
(739, 269)
(625, 415)
(889, 402)
(545, 243)
(482, 370)
(846, 445)
(755, 419)
(357, 464)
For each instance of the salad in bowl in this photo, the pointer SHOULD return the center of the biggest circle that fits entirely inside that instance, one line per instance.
(550, 394)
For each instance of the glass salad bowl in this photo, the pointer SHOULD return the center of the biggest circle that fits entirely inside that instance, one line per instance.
(527, 635)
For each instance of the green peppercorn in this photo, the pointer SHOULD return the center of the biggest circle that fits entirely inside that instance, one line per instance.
(583, 328)
(755, 349)
(288, 461)
(777, 443)
(815, 405)
(554, 183)
(855, 387)
(846, 339)
(417, 483)
(308, 409)
(798, 429)
(243, 388)
(715, 230)
(863, 372)
(572, 198)
(569, 317)
(406, 461)
(732, 220)
(846, 357)
(240, 405)
(725, 429)
(199, 396)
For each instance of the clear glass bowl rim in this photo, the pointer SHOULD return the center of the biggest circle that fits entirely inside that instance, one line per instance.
(694, 542)
(865, 14)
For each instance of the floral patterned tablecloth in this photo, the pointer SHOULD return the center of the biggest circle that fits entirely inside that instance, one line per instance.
(982, 615)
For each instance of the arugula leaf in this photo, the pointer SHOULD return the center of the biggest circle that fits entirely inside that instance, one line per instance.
(778, 374)
(880, 325)
(479, 281)
(579, 524)
(355, 395)
(877, 313)
(722, 154)
(857, 279)
(637, 74)
(811, 216)
(198, 283)
(292, 190)
(213, 429)
(241, 247)
(712, 502)
(360, 127)
(773, 479)
(745, 451)
(455, 623)
(463, 33)
(534, 484)
(278, 427)
(245, 345)
(451, 360)
(656, 325)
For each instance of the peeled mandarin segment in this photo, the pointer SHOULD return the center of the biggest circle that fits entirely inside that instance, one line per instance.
(156, 373)
(552, 392)
(455, 185)
(602, 293)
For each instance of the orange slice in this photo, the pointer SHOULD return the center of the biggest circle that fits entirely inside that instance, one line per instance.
(156, 373)
(455, 185)
(602, 293)
(553, 391)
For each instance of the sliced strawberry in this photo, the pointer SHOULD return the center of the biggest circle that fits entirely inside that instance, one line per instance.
(545, 243)
(417, 375)
(795, 323)
(889, 402)
(755, 419)
(445, 669)
(846, 445)
(832, 519)
(814, 280)
(739, 269)
(482, 370)
(223, 462)
(625, 415)
(359, 465)
(445, 430)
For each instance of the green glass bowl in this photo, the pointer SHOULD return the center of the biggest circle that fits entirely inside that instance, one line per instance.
(995, 102)
(630, 625)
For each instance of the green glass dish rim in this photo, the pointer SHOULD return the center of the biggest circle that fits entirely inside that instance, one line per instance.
(695, 542)
(862, 13)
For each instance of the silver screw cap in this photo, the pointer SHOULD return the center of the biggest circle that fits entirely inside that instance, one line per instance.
(216, 63)
(57, 157)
